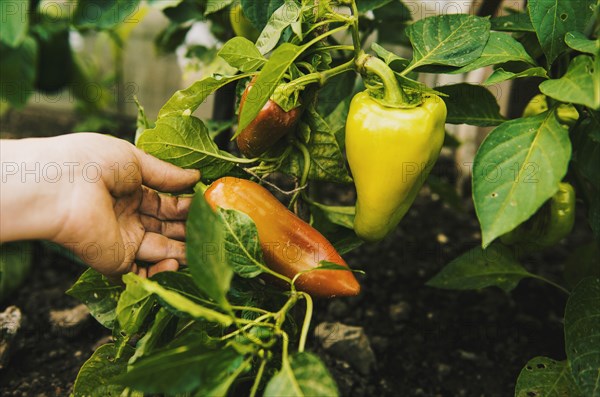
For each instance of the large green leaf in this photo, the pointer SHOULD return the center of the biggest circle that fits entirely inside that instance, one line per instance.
(303, 375)
(186, 101)
(175, 301)
(471, 104)
(545, 377)
(582, 335)
(499, 75)
(241, 53)
(104, 14)
(480, 268)
(15, 265)
(186, 368)
(259, 12)
(205, 242)
(18, 66)
(185, 142)
(98, 294)
(451, 40)
(517, 168)
(15, 21)
(268, 79)
(552, 19)
(149, 341)
(96, 374)
(500, 48)
(581, 83)
(242, 247)
(284, 16)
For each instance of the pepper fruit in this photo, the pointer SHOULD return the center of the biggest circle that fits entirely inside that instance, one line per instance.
(547, 226)
(269, 126)
(289, 244)
(241, 24)
(390, 152)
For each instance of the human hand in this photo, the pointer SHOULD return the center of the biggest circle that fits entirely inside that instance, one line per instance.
(105, 209)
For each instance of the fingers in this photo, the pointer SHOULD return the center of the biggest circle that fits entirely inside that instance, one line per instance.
(166, 265)
(163, 176)
(173, 230)
(164, 207)
(156, 247)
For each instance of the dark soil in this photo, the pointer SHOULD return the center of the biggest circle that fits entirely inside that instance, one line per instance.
(427, 342)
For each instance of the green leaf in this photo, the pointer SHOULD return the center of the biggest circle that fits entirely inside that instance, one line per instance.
(176, 302)
(149, 341)
(213, 6)
(185, 142)
(327, 163)
(181, 282)
(499, 75)
(471, 104)
(517, 22)
(241, 53)
(500, 48)
(205, 241)
(187, 101)
(546, 377)
(581, 83)
(15, 21)
(370, 5)
(284, 16)
(259, 12)
(480, 268)
(104, 14)
(134, 305)
(451, 40)
(579, 42)
(268, 79)
(242, 247)
(516, 169)
(18, 75)
(15, 266)
(338, 215)
(96, 375)
(193, 367)
(303, 375)
(552, 19)
(389, 57)
(582, 336)
(98, 294)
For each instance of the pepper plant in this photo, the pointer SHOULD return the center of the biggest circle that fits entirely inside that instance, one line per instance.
(217, 327)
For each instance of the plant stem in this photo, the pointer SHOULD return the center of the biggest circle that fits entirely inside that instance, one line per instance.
(552, 283)
(355, 32)
(306, 323)
(258, 378)
(280, 315)
(305, 171)
(393, 95)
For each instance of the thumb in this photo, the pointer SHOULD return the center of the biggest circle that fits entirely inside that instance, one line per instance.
(163, 176)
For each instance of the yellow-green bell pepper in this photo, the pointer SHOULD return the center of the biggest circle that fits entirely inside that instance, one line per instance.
(390, 152)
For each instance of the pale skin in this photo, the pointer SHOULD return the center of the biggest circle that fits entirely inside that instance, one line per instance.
(99, 197)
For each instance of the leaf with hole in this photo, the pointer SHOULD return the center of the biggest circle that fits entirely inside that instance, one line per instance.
(581, 83)
(545, 377)
(517, 168)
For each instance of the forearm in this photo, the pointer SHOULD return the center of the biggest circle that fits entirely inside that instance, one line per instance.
(33, 178)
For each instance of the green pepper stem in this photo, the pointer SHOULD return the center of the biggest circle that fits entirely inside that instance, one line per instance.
(552, 283)
(393, 94)
(258, 378)
(355, 32)
(306, 323)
